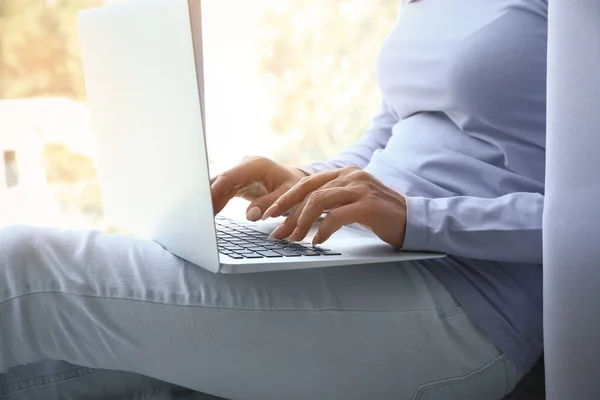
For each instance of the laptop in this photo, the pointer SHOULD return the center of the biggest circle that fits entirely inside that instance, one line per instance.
(143, 67)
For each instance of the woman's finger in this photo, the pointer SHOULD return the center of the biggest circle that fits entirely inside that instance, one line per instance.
(226, 185)
(289, 225)
(256, 209)
(228, 180)
(299, 191)
(251, 191)
(336, 219)
(222, 193)
(252, 170)
(318, 202)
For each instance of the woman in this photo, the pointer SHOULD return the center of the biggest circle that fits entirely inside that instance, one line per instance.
(452, 162)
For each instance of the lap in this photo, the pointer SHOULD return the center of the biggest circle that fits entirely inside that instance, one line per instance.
(106, 301)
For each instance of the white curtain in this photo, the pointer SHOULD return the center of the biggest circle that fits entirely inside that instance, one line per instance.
(572, 202)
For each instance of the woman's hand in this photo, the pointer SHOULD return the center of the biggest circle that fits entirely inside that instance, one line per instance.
(256, 179)
(352, 195)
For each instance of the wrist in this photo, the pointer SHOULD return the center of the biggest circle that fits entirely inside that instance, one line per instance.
(416, 233)
(403, 223)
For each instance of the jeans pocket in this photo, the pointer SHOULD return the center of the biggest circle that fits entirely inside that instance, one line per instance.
(485, 383)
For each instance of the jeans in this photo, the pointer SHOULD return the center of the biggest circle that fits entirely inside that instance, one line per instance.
(95, 316)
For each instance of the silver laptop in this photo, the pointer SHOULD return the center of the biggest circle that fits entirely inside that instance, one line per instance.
(143, 68)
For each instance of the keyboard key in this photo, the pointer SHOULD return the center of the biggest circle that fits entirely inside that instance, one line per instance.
(278, 241)
(331, 253)
(232, 247)
(256, 248)
(311, 254)
(289, 245)
(252, 255)
(264, 243)
(244, 251)
(303, 250)
(304, 244)
(320, 249)
(287, 253)
(236, 256)
(269, 254)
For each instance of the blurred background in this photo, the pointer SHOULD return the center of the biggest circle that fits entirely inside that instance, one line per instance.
(289, 79)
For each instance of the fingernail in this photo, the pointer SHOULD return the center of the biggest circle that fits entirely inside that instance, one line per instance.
(316, 240)
(270, 211)
(276, 232)
(254, 214)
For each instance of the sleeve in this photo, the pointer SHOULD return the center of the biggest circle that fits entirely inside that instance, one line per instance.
(507, 228)
(359, 154)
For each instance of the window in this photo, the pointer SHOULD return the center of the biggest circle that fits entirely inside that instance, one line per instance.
(11, 172)
(289, 79)
(306, 89)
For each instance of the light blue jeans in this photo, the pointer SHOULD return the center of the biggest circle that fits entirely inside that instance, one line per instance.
(123, 314)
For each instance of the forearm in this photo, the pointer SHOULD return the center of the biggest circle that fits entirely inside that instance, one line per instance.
(507, 228)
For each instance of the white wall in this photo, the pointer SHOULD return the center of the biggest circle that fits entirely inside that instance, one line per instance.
(571, 214)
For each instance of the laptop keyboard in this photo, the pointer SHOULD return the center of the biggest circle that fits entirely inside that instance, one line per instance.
(238, 241)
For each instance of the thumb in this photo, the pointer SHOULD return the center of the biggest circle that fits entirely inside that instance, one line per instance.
(257, 208)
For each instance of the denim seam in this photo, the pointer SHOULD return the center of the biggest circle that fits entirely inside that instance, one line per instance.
(422, 389)
(45, 380)
(451, 312)
(74, 369)
(506, 385)
(212, 307)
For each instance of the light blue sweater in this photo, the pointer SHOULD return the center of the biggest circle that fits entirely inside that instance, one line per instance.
(461, 133)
